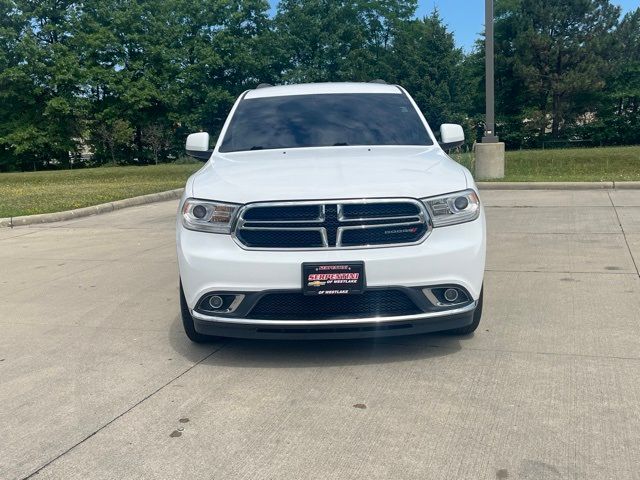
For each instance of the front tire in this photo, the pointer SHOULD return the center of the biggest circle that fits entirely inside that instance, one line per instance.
(187, 322)
(477, 315)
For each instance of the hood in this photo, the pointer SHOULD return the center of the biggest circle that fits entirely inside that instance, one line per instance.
(328, 173)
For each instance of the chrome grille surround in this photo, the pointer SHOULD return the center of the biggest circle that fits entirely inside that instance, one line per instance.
(420, 219)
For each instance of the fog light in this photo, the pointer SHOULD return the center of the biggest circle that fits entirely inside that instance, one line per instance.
(216, 302)
(451, 295)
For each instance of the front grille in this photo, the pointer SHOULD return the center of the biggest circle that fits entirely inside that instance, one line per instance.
(297, 306)
(340, 224)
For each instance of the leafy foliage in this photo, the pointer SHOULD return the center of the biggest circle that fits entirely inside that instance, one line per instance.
(128, 79)
(554, 61)
(427, 63)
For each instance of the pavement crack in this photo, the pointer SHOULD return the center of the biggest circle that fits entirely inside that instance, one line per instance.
(567, 272)
(72, 447)
(22, 234)
(546, 206)
(542, 234)
(624, 234)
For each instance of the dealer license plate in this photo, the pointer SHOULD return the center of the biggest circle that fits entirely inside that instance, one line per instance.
(333, 278)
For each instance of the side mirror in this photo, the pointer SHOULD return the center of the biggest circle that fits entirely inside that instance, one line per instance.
(451, 136)
(198, 146)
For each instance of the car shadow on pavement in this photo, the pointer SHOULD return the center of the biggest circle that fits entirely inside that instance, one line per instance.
(245, 353)
(318, 353)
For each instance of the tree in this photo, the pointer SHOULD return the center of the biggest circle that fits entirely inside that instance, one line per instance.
(618, 119)
(224, 49)
(320, 40)
(384, 21)
(40, 81)
(552, 58)
(156, 137)
(129, 51)
(174, 62)
(426, 61)
(114, 137)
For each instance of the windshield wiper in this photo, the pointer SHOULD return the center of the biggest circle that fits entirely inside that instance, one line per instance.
(256, 147)
(341, 144)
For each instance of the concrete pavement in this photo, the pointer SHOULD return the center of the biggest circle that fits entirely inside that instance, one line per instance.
(97, 379)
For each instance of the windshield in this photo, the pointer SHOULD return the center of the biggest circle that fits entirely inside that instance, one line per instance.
(324, 120)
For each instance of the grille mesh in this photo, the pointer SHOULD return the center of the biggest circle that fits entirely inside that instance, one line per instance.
(381, 235)
(297, 306)
(373, 210)
(284, 213)
(303, 226)
(278, 238)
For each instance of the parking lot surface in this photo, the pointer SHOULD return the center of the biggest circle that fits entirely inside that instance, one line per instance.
(97, 379)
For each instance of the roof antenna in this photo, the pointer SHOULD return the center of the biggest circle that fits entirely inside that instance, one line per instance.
(264, 85)
(378, 80)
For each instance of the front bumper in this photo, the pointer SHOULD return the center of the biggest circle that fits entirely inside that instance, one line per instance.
(332, 329)
(453, 255)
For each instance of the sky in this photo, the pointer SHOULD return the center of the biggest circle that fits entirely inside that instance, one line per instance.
(466, 17)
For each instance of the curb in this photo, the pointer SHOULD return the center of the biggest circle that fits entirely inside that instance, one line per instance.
(88, 211)
(177, 193)
(559, 185)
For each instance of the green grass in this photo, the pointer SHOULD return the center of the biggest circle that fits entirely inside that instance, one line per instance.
(44, 192)
(568, 164)
(54, 191)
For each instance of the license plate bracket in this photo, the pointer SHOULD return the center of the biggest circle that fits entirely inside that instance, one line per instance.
(344, 278)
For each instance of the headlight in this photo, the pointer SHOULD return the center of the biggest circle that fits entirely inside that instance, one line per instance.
(453, 208)
(205, 216)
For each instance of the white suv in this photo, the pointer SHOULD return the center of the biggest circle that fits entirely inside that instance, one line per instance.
(329, 210)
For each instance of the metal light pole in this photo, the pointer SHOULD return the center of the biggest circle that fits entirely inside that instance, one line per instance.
(490, 124)
(490, 152)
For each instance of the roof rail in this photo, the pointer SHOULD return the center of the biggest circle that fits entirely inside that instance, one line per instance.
(264, 85)
(378, 80)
